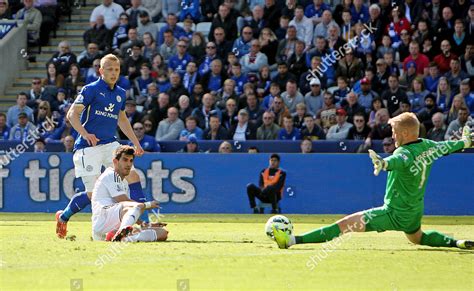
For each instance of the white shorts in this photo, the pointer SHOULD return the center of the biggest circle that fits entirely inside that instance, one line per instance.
(88, 162)
(104, 220)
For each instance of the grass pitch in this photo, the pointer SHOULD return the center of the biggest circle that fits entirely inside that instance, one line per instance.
(228, 252)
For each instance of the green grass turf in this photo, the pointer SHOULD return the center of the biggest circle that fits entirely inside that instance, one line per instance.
(228, 252)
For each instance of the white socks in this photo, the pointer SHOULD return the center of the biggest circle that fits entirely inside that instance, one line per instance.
(147, 235)
(130, 217)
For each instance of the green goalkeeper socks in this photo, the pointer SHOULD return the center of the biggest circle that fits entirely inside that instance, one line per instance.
(319, 235)
(433, 238)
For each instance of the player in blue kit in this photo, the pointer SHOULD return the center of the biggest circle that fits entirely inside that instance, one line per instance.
(95, 114)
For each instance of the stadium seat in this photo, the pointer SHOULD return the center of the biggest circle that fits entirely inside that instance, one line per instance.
(261, 206)
(181, 24)
(204, 28)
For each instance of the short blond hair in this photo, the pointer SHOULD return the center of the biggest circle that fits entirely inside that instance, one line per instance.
(109, 57)
(406, 120)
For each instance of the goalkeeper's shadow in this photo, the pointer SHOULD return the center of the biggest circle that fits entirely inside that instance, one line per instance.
(193, 241)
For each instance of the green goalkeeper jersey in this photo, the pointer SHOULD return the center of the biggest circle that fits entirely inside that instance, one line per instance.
(409, 168)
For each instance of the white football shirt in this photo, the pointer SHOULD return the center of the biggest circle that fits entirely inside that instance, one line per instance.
(108, 186)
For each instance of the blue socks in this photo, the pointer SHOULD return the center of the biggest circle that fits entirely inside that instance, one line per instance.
(136, 193)
(77, 203)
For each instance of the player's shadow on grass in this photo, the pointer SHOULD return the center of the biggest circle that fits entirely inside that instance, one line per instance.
(193, 241)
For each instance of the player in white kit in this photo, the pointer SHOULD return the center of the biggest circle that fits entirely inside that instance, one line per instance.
(112, 208)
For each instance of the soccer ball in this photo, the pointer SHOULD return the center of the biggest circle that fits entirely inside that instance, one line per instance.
(280, 222)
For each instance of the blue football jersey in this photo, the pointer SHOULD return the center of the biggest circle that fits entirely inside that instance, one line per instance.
(101, 112)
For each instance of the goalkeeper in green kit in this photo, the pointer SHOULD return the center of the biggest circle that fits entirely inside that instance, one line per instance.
(409, 168)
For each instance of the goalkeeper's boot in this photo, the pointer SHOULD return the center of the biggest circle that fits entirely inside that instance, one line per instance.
(465, 244)
(61, 226)
(282, 238)
(121, 233)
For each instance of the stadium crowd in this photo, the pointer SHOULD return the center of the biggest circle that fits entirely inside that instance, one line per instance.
(267, 70)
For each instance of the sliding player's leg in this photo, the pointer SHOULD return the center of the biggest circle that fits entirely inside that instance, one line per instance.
(374, 219)
(129, 214)
(434, 238)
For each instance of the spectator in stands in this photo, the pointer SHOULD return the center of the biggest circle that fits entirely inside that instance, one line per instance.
(380, 82)
(62, 131)
(135, 11)
(132, 114)
(292, 96)
(176, 90)
(443, 60)
(315, 11)
(360, 130)
(340, 130)
(427, 112)
(169, 128)
(455, 127)
(271, 13)
(408, 77)
(243, 130)
(326, 117)
(286, 46)
(431, 80)
(196, 95)
(63, 58)
(190, 9)
(465, 93)
(443, 94)
(171, 26)
(148, 125)
(43, 115)
(253, 150)
(119, 34)
(421, 61)
(342, 89)
(158, 66)
(208, 108)
(154, 7)
(254, 110)
(335, 41)
(125, 47)
(159, 110)
(207, 59)
(271, 184)
(4, 128)
(467, 59)
(191, 146)
(350, 67)
(455, 75)
(184, 106)
(239, 78)
(452, 114)
(416, 95)
(148, 142)
(133, 61)
(141, 84)
(351, 105)
(98, 34)
(303, 26)
(191, 129)
(225, 148)
(53, 78)
(269, 46)
(229, 115)
(33, 19)
(5, 12)
(225, 20)
(190, 76)
(87, 57)
(298, 116)
(68, 144)
(197, 47)
(22, 128)
(306, 146)
(254, 59)
(322, 28)
(213, 81)
(438, 131)
(39, 146)
(171, 7)
(268, 130)
(312, 73)
(388, 145)
(289, 132)
(393, 95)
(215, 131)
(38, 93)
(93, 73)
(381, 129)
(280, 110)
(367, 94)
(223, 46)
(312, 130)
(146, 25)
(459, 38)
(168, 48)
(111, 12)
(242, 44)
(178, 62)
(297, 60)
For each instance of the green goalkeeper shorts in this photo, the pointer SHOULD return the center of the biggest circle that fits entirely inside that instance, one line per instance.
(382, 219)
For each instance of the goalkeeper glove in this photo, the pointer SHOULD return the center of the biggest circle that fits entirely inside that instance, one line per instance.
(467, 136)
(379, 163)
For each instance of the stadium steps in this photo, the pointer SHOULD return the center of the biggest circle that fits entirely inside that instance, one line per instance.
(70, 31)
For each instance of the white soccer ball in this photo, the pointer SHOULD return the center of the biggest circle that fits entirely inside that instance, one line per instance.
(280, 222)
